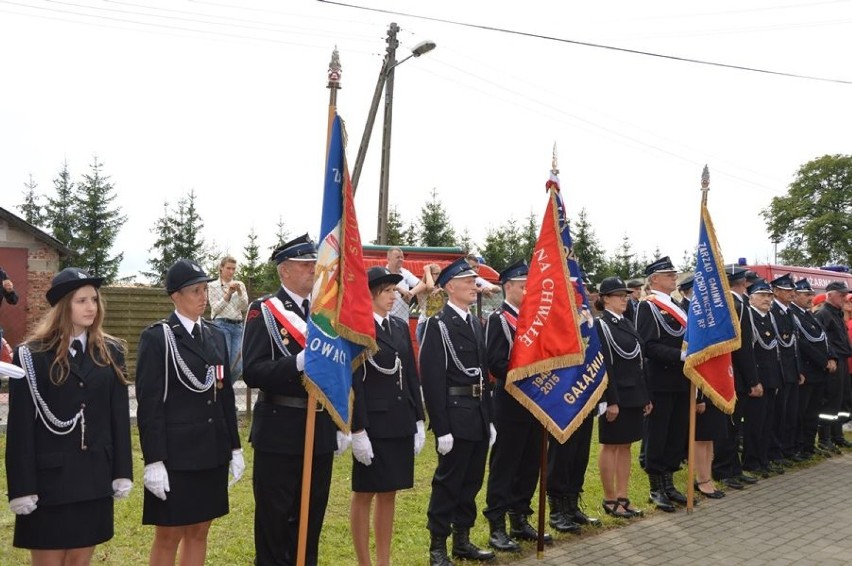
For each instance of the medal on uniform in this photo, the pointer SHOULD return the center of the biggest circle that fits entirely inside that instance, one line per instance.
(220, 376)
(285, 336)
(767, 334)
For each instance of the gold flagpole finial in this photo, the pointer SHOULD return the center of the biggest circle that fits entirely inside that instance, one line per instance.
(334, 70)
(705, 183)
(554, 163)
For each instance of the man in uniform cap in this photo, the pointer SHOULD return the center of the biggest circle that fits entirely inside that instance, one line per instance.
(661, 323)
(685, 290)
(757, 432)
(727, 465)
(513, 465)
(817, 362)
(830, 315)
(635, 288)
(783, 445)
(458, 398)
(274, 361)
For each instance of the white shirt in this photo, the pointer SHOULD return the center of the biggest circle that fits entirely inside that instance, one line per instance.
(82, 338)
(295, 296)
(187, 323)
(462, 313)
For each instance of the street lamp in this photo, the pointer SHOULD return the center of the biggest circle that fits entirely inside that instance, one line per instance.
(386, 80)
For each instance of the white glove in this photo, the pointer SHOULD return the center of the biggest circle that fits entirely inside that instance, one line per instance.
(683, 355)
(362, 448)
(156, 479)
(121, 488)
(493, 437)
(343, 442)
(238, 466)
(445, 444)
(419, 437)
(300, 361)
(23, 505)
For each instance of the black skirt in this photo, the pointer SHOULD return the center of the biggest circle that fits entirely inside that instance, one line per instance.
(194, 497)
(711, 424)
(626, 428)
(73, 525)
(392, 467)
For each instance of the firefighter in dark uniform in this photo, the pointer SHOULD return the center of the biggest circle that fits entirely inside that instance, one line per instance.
(661, 323)
(635, 286)
(830, 315)
(187, 421)
(757, 433)
(458, 397)
(273, 361)
(515, 456)
(727, 464)
(817, 361)
(783, 446)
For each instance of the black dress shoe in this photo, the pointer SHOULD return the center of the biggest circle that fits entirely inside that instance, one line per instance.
(625, 504)
(802, 456)
(776, 468)
(746, 479)
(733, 483)
(842, 442)
(613, 508)
(661, 501)
(764, 472)
(470, 551)
(821, 451)
(715, 494)
(500, 540)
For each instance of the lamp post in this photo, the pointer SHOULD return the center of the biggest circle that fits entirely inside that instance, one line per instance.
(386, 80)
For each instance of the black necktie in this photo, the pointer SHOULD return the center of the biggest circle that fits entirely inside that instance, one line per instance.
(196, 333)
(386, 325)
(77, 346)
(306, 307)
(469, 321)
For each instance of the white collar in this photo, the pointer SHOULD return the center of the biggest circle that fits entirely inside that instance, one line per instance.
(514, 308)
(298, 298)
(617, 316)
(462, 313)
(187, 323)
(381, 319)
(669, 301)
(82, 337)
(780, 304)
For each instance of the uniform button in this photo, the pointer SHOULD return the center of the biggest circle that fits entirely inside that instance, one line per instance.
(210, 420)
(82, 384)
(398, 398)
(84, 447)
(209, 402)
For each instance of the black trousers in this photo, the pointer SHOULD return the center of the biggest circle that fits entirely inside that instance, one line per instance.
(513, 467)
(837, 394)
(567, 463)
(667, 432)
(757, 430)
(783, 442)
(277, 484)
(810, 401)
(726, 455)
(457, 480)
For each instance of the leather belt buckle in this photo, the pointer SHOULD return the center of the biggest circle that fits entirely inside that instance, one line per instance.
(476, 390)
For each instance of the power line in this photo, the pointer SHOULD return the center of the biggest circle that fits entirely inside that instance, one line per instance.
(587, 44)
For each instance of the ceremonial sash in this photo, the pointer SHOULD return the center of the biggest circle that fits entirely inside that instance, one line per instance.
(678, 314)
(511, 319)
(291, 322)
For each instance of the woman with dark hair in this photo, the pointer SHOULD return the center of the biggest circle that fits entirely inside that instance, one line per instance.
(68, 449)
(187, 421)
(626, 396)
(387, 423)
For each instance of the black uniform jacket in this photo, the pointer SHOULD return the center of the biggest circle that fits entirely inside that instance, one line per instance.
(506, 407)
(277, 428)
(662, 350)
(814, 356)
(67, 468)
(789, 355)
(831, 319)
(626, 386)
(465, 416)
(187, 430)
(742, 359)
(768, 361)
(388, 406)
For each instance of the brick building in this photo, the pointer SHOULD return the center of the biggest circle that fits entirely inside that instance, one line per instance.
(31, 258)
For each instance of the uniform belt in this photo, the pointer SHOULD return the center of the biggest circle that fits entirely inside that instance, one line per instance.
(465, 390)
(230, 320)
(287, 401)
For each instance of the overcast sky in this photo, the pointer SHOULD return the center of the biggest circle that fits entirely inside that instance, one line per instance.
(228, 98)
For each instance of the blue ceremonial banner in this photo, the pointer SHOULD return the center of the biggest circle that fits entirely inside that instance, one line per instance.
(340, 328)
(563, 397)
(712, 327)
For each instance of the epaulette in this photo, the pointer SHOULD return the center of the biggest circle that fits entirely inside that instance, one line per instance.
(158, 323)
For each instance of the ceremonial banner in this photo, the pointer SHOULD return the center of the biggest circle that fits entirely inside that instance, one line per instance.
(712, 327)
(340, 327)
(556, 368)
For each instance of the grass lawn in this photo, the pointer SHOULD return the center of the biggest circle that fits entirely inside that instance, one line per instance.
(231, 537)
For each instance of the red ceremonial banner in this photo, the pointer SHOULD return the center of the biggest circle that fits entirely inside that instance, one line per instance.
(548, 334)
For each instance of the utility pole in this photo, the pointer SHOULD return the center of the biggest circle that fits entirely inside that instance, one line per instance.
(390, 64)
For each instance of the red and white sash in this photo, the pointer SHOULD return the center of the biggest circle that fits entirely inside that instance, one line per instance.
(293, 323)
(670, 308)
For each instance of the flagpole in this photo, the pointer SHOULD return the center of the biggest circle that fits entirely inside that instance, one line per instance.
(333, 86)
(690, 474)
(542, 493)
